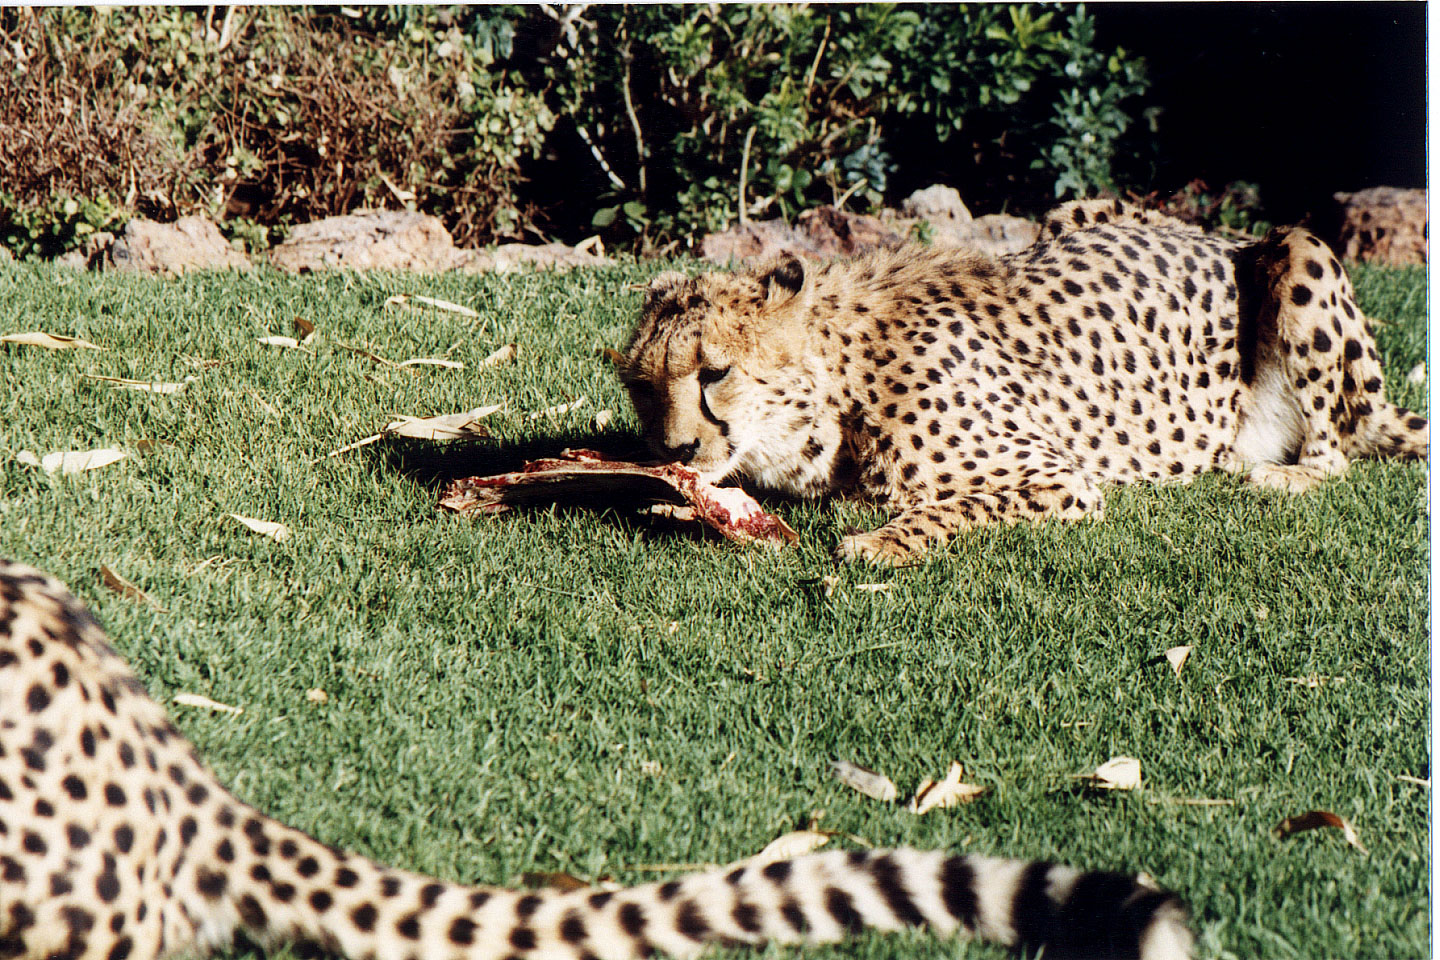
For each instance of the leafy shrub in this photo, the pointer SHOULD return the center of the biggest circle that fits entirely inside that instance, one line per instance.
(277, 115)
(265, 116)
(1235, 208)
(814, 104)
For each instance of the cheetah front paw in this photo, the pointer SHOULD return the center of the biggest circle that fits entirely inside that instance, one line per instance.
(1289, 477)
(876, 547)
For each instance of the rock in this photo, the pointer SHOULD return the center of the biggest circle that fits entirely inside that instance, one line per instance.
(837, 233)
(1000, 233)
(938, 204)
(190, 243)
(820, 233)
(951, 225)
(1384, 224)
(6, 256)
(510, 257)
(368, 240)
(90, 255)
(754, 241)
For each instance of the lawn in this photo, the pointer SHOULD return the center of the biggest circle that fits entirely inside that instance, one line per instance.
(593, 693)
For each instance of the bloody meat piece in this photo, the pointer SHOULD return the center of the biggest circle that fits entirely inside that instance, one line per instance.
(585, 476)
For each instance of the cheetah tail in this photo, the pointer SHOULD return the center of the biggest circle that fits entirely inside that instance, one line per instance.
(366, 910)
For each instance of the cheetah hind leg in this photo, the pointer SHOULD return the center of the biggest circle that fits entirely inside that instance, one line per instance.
(905, 539)
(1318, 385)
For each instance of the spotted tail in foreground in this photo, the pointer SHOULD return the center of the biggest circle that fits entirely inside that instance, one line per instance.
(117, 843)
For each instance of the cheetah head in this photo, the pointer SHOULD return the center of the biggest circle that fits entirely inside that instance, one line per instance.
(725, 376)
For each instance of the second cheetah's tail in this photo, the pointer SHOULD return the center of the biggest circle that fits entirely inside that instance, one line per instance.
(825, 897)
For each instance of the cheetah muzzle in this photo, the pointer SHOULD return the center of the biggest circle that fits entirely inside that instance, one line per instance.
(958, 389)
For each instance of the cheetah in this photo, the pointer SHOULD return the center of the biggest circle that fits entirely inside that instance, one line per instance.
(957, 389)
(117, 843)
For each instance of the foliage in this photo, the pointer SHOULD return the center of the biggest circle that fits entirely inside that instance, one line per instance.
(277, 115)
(1089, 114)
(1235, 208)
(685, 104)
(57, 223)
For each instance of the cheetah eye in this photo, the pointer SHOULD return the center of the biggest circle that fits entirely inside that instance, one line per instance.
(709, 375)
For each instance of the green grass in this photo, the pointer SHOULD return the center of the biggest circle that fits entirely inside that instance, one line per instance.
(501, 689)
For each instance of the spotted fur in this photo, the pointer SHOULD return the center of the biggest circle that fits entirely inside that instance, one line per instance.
(117, 844)
(960, 389)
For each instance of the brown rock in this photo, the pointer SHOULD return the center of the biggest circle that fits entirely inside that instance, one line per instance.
(1000, 233)
(368, 240)
(754, 241)
(1386, 225)
(838, 233)
(510, 257)
(818, 234)
(938, 204)
(190, 243)
(90, 255)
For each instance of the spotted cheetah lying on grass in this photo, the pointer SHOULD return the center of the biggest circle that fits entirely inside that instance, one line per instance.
(117, 843)
(961, 389)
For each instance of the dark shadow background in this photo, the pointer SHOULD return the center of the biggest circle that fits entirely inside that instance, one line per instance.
(1300, 99)
(1303, 99)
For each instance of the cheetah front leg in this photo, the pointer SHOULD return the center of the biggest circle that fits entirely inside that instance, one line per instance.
(1059, 492)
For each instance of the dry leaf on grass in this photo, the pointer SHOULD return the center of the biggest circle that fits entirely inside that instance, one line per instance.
(504, 355)
(1315, 681)
(1418, 781)
(558, 409)
(1314, 820)
(602, 419)
(613, 355)
(364, 353)
(1417, 373)
(72, 461)
(289, 343)
(552, 879)
(205, 703)
(1176, 656)
(796, 843)
(400, 300)
(144, 386)
(431, 362)
(305, 328)
(316, 695)
(450, 426)
(125, 588)
(267, 528)
(950, 792)
(874, 785)
(1117, 773)
(50, 341)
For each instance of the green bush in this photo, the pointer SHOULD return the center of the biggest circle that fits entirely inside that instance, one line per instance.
(804, 105)
(265, 116)
(275, 115)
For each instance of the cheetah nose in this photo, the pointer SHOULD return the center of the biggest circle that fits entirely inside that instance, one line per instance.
(684, 452)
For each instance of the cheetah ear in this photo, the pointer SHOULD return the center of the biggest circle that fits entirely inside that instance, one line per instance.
(784, 278)
(661, 284)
